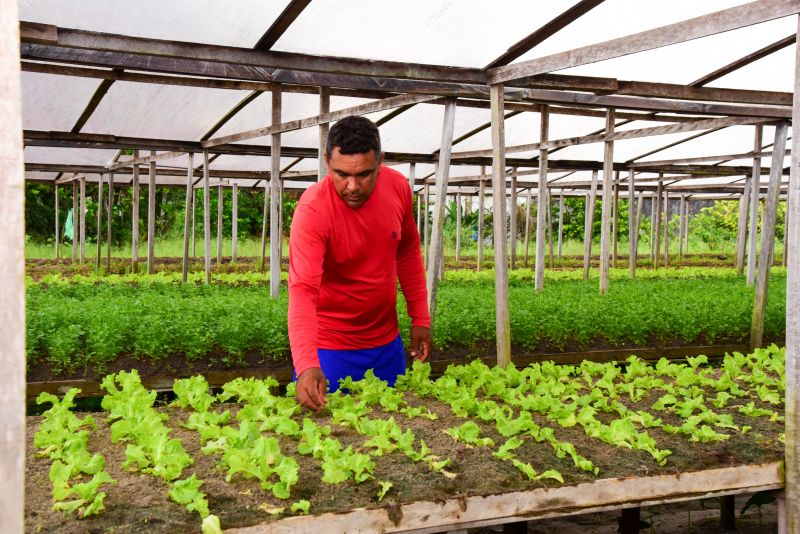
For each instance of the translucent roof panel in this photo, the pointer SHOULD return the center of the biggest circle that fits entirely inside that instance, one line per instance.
(68, 156)
(232, 23)
(54, 103)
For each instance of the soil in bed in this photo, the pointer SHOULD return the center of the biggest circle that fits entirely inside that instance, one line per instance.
(138, 503)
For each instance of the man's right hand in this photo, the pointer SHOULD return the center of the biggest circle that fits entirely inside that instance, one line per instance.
(311, 386)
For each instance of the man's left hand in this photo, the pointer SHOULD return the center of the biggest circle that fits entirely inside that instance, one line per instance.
(420, 343)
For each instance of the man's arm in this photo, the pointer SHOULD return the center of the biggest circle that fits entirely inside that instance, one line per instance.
(411, 274)
(307, 243)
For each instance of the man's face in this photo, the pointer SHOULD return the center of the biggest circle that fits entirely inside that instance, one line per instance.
(354, 175)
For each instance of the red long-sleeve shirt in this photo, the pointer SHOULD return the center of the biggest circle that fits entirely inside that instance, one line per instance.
(344, 265)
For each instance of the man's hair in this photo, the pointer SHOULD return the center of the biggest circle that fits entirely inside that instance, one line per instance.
(354, 135)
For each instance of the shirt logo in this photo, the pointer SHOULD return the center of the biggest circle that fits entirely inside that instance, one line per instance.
(394, 235)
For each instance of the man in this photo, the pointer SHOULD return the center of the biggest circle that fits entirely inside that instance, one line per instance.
(353, 236)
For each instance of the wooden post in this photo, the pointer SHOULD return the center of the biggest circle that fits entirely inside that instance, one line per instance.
(275, 197)
(786, 230)
(587, 226)
(637, 230)
(458, 225)
(108, 222)
(194, 224)
(75, 219)
(652, 227)
(135, 217)
(768, 237)
(666, 228)
(608, 185)
(58, 230)
(206, 219)
(550, 227)
(264, 227)
(99, 221)
(324, 128)
(657, 220)
(436, 259)
(235, 223)
(12, 276)
(187, 218)
(632, 230)
(502, 319)
(512, 210)
(615, 220)
(220, 205)
(790, 518)
(560, 223)
(151, 216)
(686, 233)
(83, 218)
(412, 177)
(528, 222)
(419, 215)
(426, 215)
(681, 218)
(741, 227)
(754, 196)
(541, 199)
(481, 202)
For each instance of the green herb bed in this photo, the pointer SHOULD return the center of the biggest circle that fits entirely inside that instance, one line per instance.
(248, 455)
(82, 324)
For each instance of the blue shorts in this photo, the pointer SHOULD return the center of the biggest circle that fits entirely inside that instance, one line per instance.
(387, 361)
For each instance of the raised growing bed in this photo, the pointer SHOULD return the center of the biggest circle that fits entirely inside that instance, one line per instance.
(565, 439)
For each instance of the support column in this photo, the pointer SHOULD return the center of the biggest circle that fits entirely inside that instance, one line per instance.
(631, 226)
(187, 218)
(427, 215)
(768, 237)
(151, 216)
(681, 218)
(458, 225)
(666, 228)
(275, 197)
(220, 205)
(528, 222)
(436, 258)
(481, 202)
(615, 221)
(194, 225)
(686, 233)
(638, 229)
(653, 216)
(412, 177)
(560, 223)
(265, 226)
(135, 217)
(12, 276)
(502, 321)
(108, 222)
(741, 227)
(786, 236)
(83, 218)
(550, 227)
(324, 128)
(657, 220)
(587, 225)
(790, 512)
(99, 221)
(755, 191)
(235, 223)
(58, 230)
(75, 219)
(206, 220)
(541, 214)
(608, 185)
(513, 218)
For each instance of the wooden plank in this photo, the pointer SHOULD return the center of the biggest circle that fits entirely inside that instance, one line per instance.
(544, 32)
(220, 207)
(135, 217)
(741, 227)
(75, 219)
(12, 276)
(57, 233)
(767, 239)
(275, 240)
(151, 216)
(427, 216)
(528, 202)
(615, 221)
(560, 223)
(476, 511)
(637, 231)
(187, 219)
(148, 159)
(83, 218)
(362, 109)
(722, 157)
(481, 205)
(206, 220)
(681, 217)
(703, 26)
(790, 518)
(754, 196)
(281, 24)
(746, 60)
(700, 124)
(436, 254)
(502, 315)
(605, 218)
(99, 222)
(324, 128)
(587, 226)
(550, 227)
(110, 214)
(632, 229)
(541, 215)
(689, 92)
(513, 216)
(458, 225)
(235, 223)
(666, 227)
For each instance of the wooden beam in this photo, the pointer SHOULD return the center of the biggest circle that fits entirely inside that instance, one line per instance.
(710, 94)
(541, 201)
(741, 227)
(187, 218)
(632, 228)
(362, 109)
(235, 223)
(605, 219)
(746, 60)
(588, 224)
(75, 218)
(281, 24)
(220, 206)
(324, 128)
(502, 316)
(512, 216)
(147, 159)
(57, 233)
(481, 202)
(528, 202)
(703, 159)
(560, 223)
(83, 218)
(695, 28)
(275, 240)
(206, 220)
(754, 196)
(99, 221)
(110, 214)
(544, 32)
(12, 276)
(657, 221)
(767, 240)
(151, 216)
(458, 225)
(135, 217)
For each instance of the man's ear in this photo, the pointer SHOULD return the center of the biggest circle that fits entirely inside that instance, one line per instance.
(380, 159)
